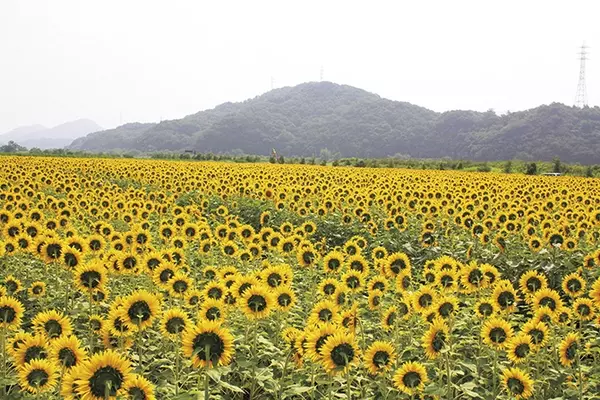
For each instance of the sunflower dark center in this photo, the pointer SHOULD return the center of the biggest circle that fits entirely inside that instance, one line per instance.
(37, 289)
(175, 325)
(522, 350)
(425, 300)
(397, 265)
(357, 266)
(119, 325)
(548, 302)
(90, 279)
(208, 346)
(391, 318)
(475, 277)
(438, 341)
(537, 336)
(379, 286)
(67, 357)
(411, 379)
(7, 314)
(353, 282)
(583, 310)
(506, 299)
(534, 284)
(381, 358)
(515, 386)
(53, 328)
(320, 342)
(446, 309)
(257, 303)
(11, 286)
(95, 324)
(37, 378)
(308, 257)
(486, 309)
(180, 286)
(136, 393)
(106, 380)
(215, 293)
(35, 353)
(325, 315)
(274, 279)
(342, 354)
(402, 309)
(574, 285)
(447, 280)
(139, 311)
(213, 313)
(376, 300)
(54, 251)
(284, 300)
(430, 277)
(129, 262)
(166, 275)
(329, 289)
(571, 351)
(498, 335)
(333, 264)
(193, 300)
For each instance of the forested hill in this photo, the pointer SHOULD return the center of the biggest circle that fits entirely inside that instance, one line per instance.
(304, 119)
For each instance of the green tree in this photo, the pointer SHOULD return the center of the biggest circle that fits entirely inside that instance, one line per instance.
(531, 169)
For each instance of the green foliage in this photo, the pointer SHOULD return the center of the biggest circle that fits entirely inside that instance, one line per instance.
(341, 121)
(531, 169)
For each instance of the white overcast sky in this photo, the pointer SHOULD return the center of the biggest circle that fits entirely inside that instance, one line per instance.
(145, 60)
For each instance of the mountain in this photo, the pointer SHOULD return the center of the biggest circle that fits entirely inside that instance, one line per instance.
(350, 122)
(47, 138)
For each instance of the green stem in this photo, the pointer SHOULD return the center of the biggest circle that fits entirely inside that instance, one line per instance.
(3, 345)
(494, 377)
(254, 360)
(177, 362)
(348, 385)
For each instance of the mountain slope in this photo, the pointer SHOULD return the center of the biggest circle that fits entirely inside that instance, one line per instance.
(56, 137)
(304, 119)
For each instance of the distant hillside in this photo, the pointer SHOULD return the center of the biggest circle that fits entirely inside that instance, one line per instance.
(304, 119)
(49, 138)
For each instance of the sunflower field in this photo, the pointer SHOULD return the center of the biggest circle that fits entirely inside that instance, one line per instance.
(143, 279)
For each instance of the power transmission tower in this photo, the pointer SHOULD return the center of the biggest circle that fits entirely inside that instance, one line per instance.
(581, 96)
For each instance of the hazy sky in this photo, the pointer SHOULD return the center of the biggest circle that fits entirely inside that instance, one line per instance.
(145, 60)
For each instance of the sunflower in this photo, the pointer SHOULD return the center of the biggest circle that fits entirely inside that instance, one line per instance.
(538, 332)
(395, 263)
(340, 352)
(350, 317)
(212, 310)
(329, 286)
(435, 338)
(52, 324)
(491, 274)
(118, 322)
(38, 376)
(380, 357)
(11, 312)
(573, 284)
(423, 299)
(214, 290)
(68, 386)
(243, 283)
(67, 352)
(446, 306)
(546, 315)
(316, 338)
(496, 332)
(547, 298)
(517, 383)
(519, 347)
(139, 388)
(378, 283)
(403, 281)
(357, 263)
(12, 285)
(307, 257)
(180, 284)
(505, 296)
(532, 281)
(285, 298)
(208, 344)
(353, 281)
(33, 348)
(103, 376)
(173, 322)
(333, 262)
(410, 378)
(446, 280)
(583, 308)
(140, 309)
(471, 278)
(90, 276)
(16, 341)
(163, 274)
(485, 308)
(37, 289)
(325, 311)
(257, 302)
(96, 323)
